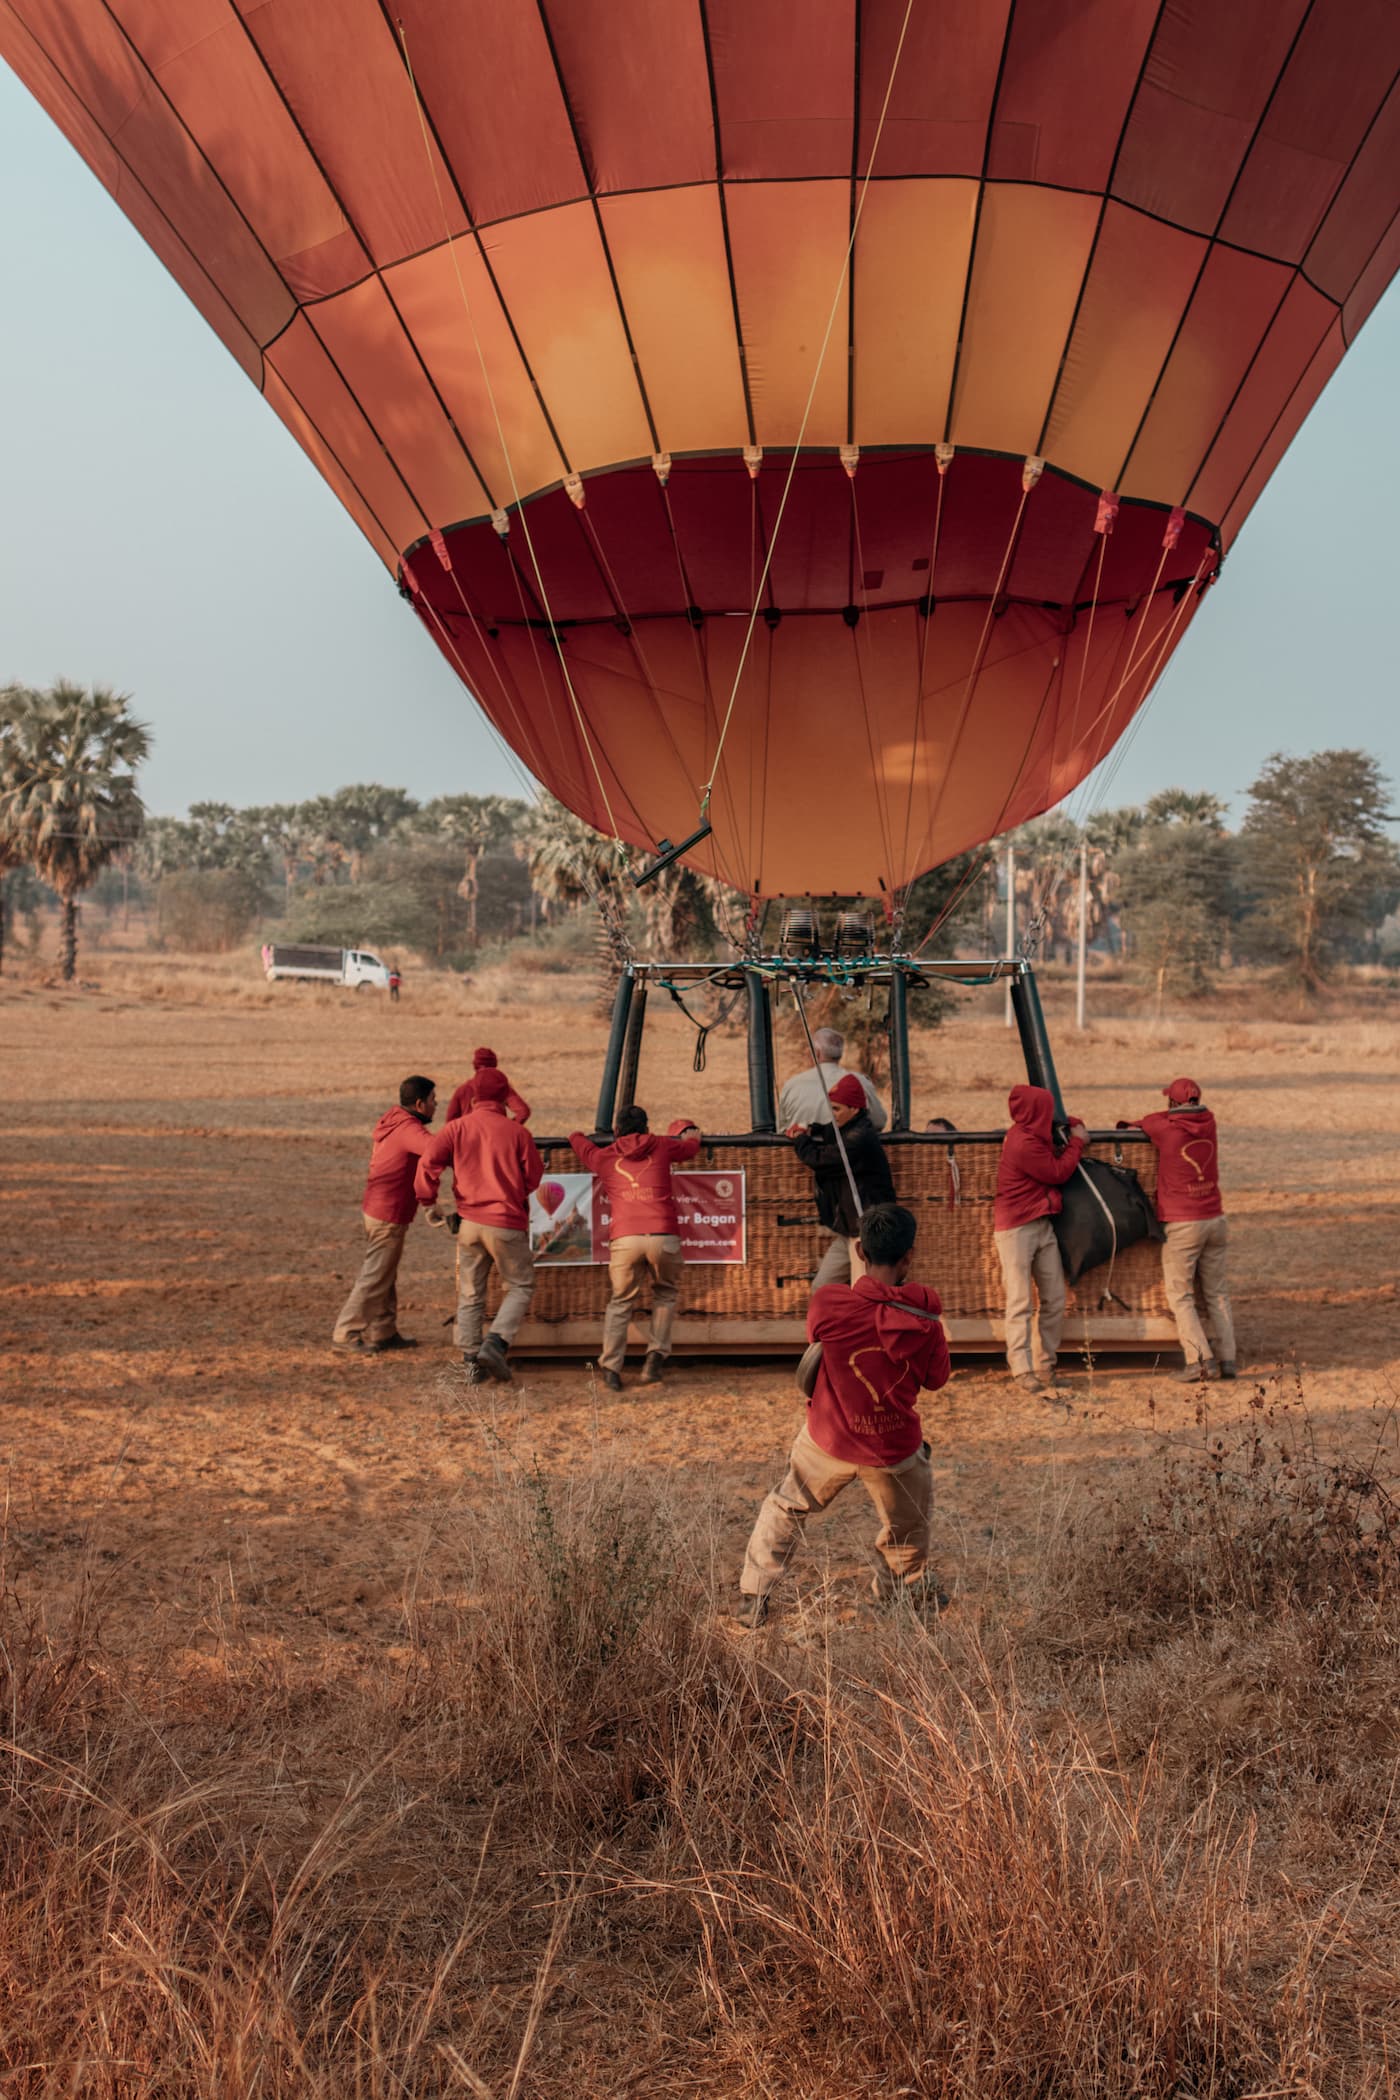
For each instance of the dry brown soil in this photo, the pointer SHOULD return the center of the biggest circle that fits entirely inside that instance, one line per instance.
(182, 1158)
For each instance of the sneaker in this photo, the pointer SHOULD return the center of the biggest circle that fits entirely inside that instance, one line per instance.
(750, 1612)
(654, 1369)
(349, 1345)
(1227, 1367)
(492, 1358)
(1198, 1374)
(393, 1341)
(613, 1381)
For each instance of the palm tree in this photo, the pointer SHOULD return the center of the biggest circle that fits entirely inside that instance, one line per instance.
(15, 704)
(568, 861)
(68, 790)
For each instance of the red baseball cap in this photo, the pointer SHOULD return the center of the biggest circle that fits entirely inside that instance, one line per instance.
(1181, 1091)
(848, 1092)
(681, 1125)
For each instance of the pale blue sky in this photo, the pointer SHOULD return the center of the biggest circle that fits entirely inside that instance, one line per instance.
(161, 531)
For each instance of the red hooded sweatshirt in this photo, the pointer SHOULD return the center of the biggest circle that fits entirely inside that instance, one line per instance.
(400, 1140)
(875, 1362)
(494, 1166)
(1030, 1170)
(464, 1100)
(636, 1172)
(1188, 1163)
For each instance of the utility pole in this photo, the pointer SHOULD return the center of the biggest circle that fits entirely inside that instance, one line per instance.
(1079, 1020)
(1010, 925)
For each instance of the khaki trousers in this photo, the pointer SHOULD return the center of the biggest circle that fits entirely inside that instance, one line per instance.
(1030, 1254)
(631, 1260)
(478, 1246)
(1196, 1247)
(840, 1263)
(372, 1309)
(902, 1495)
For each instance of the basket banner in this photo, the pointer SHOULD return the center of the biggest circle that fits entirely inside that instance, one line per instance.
(569, 1219)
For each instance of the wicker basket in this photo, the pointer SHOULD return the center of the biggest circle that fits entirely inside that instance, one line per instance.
(947, 1182)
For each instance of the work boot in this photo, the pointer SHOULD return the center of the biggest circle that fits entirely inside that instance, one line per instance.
(921, 1595)
(349, 1344)
(613, 1381)
(750, 1612)
(1199, 1373)
(492, 1358)
(393, 1341)
(654, 1369)
(1227, 1368)
(1027, 1382)
(475, 1374)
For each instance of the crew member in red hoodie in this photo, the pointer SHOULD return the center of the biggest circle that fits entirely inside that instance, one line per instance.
(495, 1166)
(465, 1095)
(1198, 1232)
(882, 1344)
(369, 1318)
(644, 1233)
(1030, 1175)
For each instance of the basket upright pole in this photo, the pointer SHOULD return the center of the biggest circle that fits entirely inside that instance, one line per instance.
(899, 1049)
(612, 1062)
(763, 1111)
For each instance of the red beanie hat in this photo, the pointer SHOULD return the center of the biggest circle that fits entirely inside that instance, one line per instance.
(482, 1057)
(490, 1084)
(1181, 1091)
(848, 1092)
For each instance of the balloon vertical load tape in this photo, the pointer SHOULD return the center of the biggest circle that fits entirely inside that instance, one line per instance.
(850, 460)
(753, 460)
(1031, 472)
(500, 523)
(661, 467)
(573, 489)
(943, 454)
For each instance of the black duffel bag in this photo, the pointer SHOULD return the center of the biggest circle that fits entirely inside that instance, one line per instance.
(1106, 1211)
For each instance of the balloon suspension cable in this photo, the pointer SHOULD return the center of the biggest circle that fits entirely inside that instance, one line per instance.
(451, 243)
(708, 785)
(796, 990)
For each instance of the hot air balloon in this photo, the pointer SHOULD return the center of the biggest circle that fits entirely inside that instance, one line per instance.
(807, 429)
(823, 416)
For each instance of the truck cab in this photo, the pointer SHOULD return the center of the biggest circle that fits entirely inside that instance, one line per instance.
(363, 967)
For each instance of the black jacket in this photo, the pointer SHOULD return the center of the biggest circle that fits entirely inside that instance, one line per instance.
(818, 1150)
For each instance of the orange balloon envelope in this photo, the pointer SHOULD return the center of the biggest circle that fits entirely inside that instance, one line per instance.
(830, 414)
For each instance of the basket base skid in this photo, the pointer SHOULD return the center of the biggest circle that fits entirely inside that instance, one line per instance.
(740, 1337)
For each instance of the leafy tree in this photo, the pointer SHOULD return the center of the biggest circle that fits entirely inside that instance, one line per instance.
(1315, 862)
(68, 790)
(1176, 890)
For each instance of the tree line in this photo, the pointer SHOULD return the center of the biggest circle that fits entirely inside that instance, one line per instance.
(1308, 880)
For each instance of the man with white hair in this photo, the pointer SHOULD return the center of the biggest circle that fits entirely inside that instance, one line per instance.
(805, 1097)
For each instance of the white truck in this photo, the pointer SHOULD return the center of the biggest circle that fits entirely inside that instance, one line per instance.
(353, 966)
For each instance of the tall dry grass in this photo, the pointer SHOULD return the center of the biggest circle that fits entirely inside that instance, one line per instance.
(1129, 1834)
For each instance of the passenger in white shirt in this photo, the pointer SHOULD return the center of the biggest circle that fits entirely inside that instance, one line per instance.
(804, 1098)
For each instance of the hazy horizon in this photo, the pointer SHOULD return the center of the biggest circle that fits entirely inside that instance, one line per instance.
(164, 534)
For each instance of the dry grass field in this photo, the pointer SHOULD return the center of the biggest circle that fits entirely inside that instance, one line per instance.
(370, 1734)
